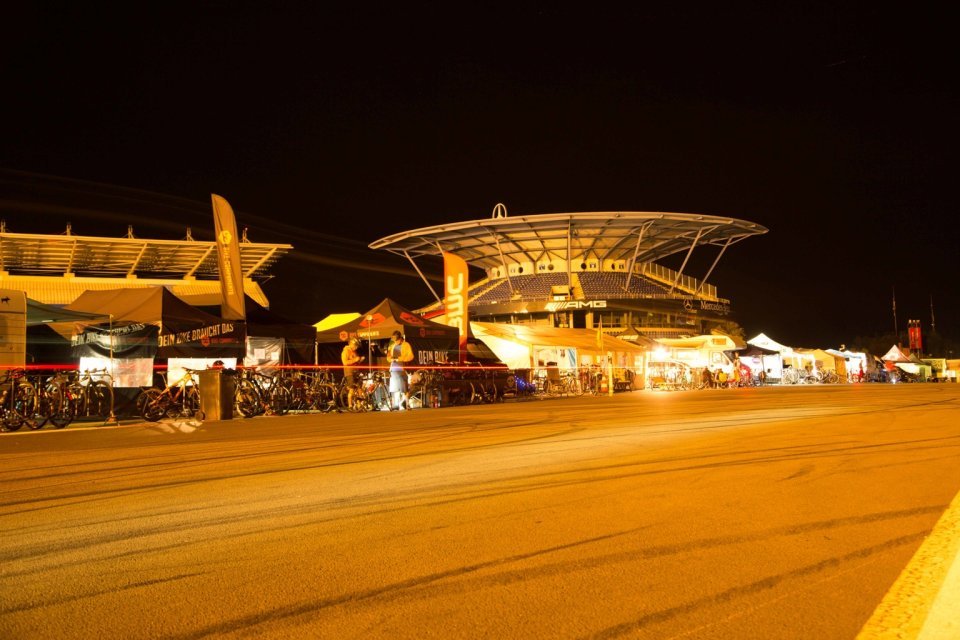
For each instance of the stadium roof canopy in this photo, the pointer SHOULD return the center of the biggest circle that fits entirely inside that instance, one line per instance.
(34, 254)
(634, 236)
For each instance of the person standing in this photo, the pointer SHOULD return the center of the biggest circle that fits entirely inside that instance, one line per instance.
(399, 353)
(350, 357)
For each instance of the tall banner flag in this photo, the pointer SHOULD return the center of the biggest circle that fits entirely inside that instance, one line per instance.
(913, 333)
(228, 259)
(456, 280)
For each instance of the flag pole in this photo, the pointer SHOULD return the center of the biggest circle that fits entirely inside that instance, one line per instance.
(896, 331)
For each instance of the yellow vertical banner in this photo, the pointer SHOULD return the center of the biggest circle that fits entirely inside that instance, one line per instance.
(456, 280)
(228, 259)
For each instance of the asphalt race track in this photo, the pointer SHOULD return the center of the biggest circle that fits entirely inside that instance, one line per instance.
(749, 513)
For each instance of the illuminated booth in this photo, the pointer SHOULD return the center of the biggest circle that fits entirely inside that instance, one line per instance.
(540, 349)
(701, 351)
(905, 366)
(773, 367)
(151, 324)
(759, 359)
(431, 342)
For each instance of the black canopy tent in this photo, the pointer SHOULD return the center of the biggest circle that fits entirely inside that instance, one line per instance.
(45, 344)
(750, 351)
(298, 339)
(431, 341)
(153, 322)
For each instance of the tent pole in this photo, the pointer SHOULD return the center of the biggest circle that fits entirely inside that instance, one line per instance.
(112, 418)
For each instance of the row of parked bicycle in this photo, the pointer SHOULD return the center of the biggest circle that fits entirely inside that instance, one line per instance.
(320, 390)
(34, 400)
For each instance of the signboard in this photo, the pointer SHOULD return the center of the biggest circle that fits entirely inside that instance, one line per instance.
(228, 260)
(456, 280)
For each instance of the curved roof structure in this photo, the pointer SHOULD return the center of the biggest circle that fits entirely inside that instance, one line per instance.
(635, 236)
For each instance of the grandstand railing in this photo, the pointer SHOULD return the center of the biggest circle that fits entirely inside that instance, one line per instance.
(687, 284)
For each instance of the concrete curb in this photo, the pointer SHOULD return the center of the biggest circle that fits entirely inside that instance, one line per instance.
(924, 602)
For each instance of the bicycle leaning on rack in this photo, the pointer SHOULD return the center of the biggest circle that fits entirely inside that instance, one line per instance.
(18, 400)
(258, 393)
(55, 402)
(180, 399)
(91, 392)
(368, 394)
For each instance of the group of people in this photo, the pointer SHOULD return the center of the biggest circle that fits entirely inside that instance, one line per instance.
(741, 375)
(399, 353)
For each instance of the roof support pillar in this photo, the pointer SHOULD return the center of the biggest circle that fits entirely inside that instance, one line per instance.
(636, 251)
(687, 258)
(423, 277)
(198, 263)
(710, 270)
(262, 261)
(503, 261)
(569, 248)
(136, 261)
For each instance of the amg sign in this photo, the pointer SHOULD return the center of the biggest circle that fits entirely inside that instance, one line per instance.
(576, 304)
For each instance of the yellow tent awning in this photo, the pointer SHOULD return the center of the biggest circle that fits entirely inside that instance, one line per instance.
(335, 320)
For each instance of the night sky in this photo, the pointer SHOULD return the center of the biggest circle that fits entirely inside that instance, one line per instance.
(329, 128)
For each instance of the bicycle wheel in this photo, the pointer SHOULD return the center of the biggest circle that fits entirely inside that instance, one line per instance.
(191, 402)
(57, 407)
(153, 404)
(379, 398)
(575, 388)
(46, 404)
(26, 403)
(323, 397)
(74, 395)
(279, 399)
(344, 400)
(11, 419)
(510, 387)
(247, 399)
(99, 399)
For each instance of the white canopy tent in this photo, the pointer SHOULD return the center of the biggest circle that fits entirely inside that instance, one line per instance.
(773, 366)
(520, 346)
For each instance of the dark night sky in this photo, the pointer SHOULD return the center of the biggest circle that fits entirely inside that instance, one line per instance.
(329, 128)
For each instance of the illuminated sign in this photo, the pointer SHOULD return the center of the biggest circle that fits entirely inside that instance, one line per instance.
(576, 304)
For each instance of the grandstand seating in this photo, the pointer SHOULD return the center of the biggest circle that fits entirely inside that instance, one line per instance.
(499, 292)
(599, 284)
(538, 287)
(594, 284)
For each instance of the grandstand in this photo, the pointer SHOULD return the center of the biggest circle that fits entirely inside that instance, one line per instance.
(585, 270)
(57, 269)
